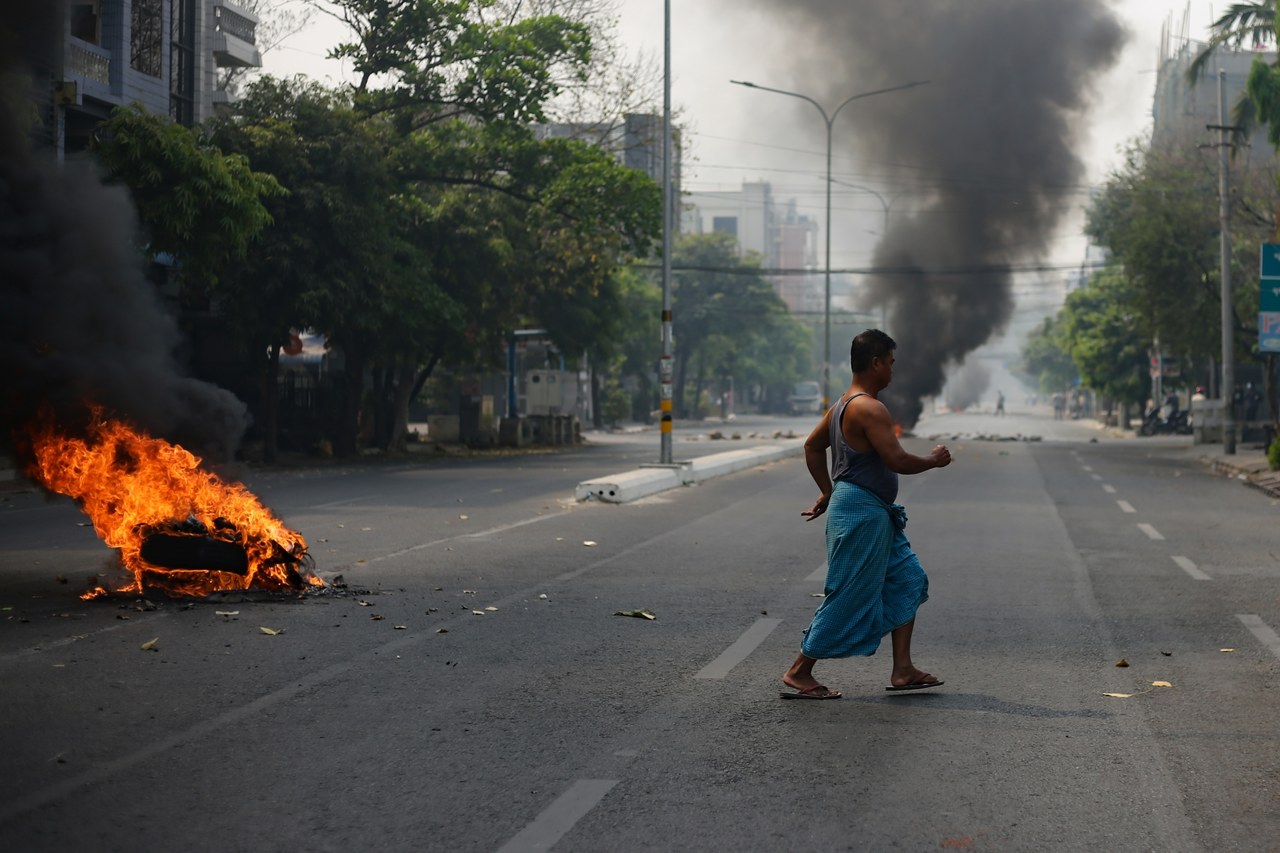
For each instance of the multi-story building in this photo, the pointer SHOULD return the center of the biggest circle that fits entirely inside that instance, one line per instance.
(1183, 111)
(635, 141)
(162, 54)
(783, 239)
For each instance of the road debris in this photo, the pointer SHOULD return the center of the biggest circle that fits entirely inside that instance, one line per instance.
(271, 632)
(150, 645)
(638, 614)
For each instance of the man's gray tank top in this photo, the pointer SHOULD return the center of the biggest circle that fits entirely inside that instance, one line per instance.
(862, 469)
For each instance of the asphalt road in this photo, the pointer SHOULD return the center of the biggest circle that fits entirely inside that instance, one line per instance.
(551, 723)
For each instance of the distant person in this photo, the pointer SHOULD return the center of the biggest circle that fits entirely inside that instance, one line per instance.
(999, 402)
(1059, 405)
(1252, 399)
(874, 582)
(1198, 395)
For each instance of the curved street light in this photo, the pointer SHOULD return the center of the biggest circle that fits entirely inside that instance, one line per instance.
(830, 120)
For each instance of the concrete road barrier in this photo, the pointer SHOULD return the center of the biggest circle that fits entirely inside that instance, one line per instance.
(632, 485)
(629, 485)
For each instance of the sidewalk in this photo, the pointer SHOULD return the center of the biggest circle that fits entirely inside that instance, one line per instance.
(1248, 464)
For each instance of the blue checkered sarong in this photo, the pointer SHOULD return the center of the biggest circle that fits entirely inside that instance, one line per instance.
(874, 584)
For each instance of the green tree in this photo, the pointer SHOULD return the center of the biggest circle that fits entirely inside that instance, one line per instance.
(1106, 340)
(726, 317)
(196, 204)
(1158, 216)
(1046, 357)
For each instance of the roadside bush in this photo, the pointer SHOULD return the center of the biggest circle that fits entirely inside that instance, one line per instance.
(1273, 454)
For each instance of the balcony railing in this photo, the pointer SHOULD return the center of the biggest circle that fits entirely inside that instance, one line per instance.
(88, 61)
(234, 24)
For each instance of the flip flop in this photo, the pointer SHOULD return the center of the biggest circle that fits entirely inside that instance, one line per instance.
(916, 685)
(812, 693)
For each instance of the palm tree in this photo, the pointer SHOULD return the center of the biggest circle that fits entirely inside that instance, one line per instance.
(1252, 23)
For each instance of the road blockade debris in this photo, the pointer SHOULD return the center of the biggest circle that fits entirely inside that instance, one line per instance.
(638, 614)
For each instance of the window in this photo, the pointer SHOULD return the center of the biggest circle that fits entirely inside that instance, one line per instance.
(146, 39)
(725, 225)
(182, 61)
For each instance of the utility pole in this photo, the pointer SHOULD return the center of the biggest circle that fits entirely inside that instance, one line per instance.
(666, 364)
(1224, 265)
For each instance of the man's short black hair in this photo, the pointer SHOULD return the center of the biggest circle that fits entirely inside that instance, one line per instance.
(869, 345)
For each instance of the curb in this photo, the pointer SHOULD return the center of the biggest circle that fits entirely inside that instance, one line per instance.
(628, 486)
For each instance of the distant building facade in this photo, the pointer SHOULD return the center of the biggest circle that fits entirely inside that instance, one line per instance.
(1183, 111)
(162, 54)
(783, 239)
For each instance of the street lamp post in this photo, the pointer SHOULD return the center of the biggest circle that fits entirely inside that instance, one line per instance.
(830, 121)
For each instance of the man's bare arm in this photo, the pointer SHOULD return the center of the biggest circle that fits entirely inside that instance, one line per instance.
(815, 459)
(877, 425)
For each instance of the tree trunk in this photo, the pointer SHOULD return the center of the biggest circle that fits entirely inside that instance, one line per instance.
(597, 411)
(347, 441)
(398, 437)
(271, 405)
(699, 378)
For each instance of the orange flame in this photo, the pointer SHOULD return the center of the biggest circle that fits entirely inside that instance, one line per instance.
(897, 430)
(133, 486)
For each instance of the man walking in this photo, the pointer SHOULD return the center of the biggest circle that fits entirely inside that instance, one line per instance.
(874, 581)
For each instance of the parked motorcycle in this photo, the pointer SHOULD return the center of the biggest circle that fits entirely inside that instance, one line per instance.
(1164, 422)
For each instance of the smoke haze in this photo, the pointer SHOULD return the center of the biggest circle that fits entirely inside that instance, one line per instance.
(79, 322)
(981, 162)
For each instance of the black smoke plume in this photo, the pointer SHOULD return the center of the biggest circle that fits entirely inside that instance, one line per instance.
(983, 157)
(80, 324)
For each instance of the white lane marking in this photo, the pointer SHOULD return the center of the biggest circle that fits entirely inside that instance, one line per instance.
(1262, 631)
(737, 653)
(559, 817)
(1151, 532)
(479, 534)
(1125, 506)
(1111, 490)
(343, 502)
(818, 574)
(1096, 476)
(1190, 568)
(1088, 467)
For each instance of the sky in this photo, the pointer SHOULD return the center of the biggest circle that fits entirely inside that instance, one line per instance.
(735, 134)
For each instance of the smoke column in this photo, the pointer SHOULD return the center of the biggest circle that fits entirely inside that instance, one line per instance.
(981, 161)
(79, 322)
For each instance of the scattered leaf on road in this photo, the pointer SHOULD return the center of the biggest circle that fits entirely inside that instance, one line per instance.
(377, 617)
(1161, 684)
(442, 630)
(639, 614)
(1119, 695)
(542, 597)
(1226, 650)
(1122, 662)
(271, 632)
(477, 612)
(491, 609)
(364, 603)
(464, 517)
(400, 627)
(227, 612)
(590, 543)
(150, 645)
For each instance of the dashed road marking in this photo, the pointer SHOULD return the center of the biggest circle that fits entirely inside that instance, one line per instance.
(1190, 568)
(559, 817)
(737, 653)
(1125, 506)
(1111, 490)
(1262, 631)
(1151, 532)
(1088, 467)
(1096, 476)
